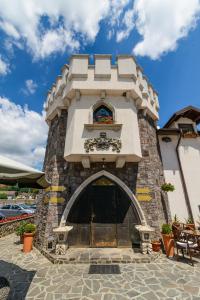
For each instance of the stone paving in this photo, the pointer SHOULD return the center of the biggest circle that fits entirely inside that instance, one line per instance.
(101, 256)
(32, 277)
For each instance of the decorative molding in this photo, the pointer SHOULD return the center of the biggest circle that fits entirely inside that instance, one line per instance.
(86, 162)
(77, 95)
(102, 143)
(112, 177)
(120, 162)
(114, 127)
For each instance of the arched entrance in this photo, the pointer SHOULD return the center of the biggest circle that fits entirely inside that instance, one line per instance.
(102, 215)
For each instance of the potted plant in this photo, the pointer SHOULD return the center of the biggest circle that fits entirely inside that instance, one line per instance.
(167, 187)
(29, 232)
(190, 224)
(175, 223)
(168, 239)
(156, 245)
(198, 222)
(20, 231)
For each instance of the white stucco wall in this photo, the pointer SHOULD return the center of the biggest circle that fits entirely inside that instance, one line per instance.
(177, 201)
(80, 112)
(189, 152)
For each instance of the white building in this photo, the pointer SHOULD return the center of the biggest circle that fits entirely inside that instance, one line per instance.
(180, 149)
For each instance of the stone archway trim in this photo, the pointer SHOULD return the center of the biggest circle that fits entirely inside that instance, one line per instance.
(113, 178)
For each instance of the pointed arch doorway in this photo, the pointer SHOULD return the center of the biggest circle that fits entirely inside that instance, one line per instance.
(102, 215)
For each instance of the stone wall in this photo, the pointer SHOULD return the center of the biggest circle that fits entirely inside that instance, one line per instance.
(147, 173)
(11, 226)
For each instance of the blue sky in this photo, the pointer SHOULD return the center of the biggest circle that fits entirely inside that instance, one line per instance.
(38, 37)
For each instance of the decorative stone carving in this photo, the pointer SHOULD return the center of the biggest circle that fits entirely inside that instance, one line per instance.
(145, 237)
(61, 234)
(61, 249)
(102, 143)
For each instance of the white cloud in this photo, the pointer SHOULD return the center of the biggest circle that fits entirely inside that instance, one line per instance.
(161, 24)
(4, 67)
(68, 22)
(23, 133)
(128, 23)
(31, 87)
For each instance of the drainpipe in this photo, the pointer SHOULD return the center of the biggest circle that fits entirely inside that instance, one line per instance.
(183, 179)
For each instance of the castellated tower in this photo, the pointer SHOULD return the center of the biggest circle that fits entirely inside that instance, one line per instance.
(102, 156)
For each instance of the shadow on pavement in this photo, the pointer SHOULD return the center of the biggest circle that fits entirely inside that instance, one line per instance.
(18, 278)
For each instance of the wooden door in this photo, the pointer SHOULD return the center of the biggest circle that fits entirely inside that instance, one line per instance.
(103, 220)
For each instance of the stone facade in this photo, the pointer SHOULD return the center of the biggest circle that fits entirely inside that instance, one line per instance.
(147, 173)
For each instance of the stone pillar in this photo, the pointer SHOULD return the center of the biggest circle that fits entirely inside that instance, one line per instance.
(150, 175)
(52, 201)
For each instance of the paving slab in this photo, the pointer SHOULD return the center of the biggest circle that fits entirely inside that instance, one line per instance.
(32, 276)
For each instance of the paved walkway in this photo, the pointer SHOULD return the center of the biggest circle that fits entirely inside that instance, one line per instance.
(33, 277)
(102, 255)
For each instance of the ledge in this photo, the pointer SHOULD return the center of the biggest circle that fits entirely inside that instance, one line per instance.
(114, 127)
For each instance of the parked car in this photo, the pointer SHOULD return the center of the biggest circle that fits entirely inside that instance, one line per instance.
(33, 206)
(29, 206)
(2, 216)
(15, 209)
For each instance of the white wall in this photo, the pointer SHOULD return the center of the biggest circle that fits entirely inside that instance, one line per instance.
(80, 112)
(189, 152)
(177, 201)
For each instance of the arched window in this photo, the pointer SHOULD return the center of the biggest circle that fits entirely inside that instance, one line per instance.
(103, 115)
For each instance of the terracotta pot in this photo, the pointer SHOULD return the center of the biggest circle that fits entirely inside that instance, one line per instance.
(168, 242)
(28, 242)
(156, 246)
(21, 238)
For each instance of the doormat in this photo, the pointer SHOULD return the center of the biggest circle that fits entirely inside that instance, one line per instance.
(104, 269)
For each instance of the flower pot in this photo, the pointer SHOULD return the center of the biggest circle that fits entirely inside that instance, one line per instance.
(28, 242)
(156, 246)
(168, 242)
(21, 238)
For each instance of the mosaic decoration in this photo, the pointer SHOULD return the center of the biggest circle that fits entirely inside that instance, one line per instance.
(102, 143)
(103, 115)
(103, 181)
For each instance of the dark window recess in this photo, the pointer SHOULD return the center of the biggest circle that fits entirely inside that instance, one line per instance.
(166, 139)
(185, 128)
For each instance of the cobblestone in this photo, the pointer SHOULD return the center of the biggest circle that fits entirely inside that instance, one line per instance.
(33, 277)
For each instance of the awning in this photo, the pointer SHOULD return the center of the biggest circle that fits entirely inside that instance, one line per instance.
(13, 172)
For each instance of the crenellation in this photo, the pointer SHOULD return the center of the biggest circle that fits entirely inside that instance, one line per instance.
(124, 75)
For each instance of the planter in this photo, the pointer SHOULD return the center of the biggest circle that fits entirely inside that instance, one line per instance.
(28, 242)
(168, 242)
(21, 239)
(190, 226)
(156, 246)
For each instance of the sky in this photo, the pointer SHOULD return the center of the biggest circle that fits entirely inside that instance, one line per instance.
(37, 38)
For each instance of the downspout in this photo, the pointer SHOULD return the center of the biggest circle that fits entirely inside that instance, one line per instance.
(183, 179)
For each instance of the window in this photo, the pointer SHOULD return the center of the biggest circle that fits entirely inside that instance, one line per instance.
(186, 128)
(103, 115)
(5, 207)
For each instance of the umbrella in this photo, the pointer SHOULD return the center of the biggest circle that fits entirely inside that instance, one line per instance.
(13, 172)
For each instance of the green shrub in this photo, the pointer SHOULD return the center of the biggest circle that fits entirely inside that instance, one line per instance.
(168, 187)
(21, 228)
(166, 228)
(29, 228)
(176, 219)
(3, 196)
